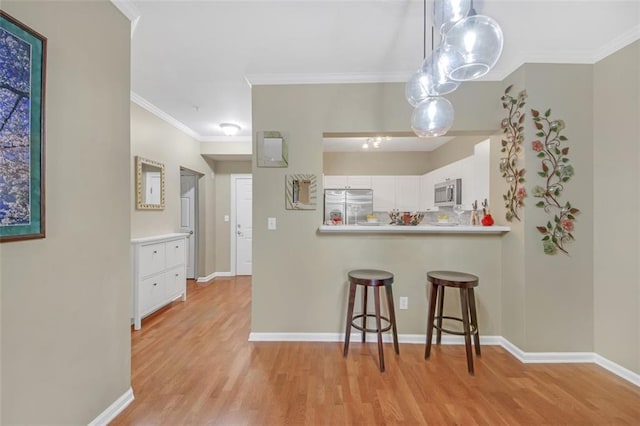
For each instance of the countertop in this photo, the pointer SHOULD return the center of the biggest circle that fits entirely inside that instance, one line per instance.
(408, 229)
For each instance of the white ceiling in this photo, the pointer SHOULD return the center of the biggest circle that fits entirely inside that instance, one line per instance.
(192, 61)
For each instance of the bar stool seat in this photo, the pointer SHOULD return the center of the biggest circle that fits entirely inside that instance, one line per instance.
(371, 278)
(438, 281)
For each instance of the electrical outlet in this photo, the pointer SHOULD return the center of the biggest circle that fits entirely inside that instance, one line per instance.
(271, 223)
(404, 303)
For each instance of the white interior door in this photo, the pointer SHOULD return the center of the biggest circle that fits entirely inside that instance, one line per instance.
(188, 219)
(244, 229)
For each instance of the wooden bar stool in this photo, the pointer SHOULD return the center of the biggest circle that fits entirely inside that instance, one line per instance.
(376, 279)
(438, 280)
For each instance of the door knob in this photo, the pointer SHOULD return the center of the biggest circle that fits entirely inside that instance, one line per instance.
(190, 232)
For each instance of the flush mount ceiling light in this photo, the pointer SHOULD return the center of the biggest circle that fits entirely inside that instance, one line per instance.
(230, 129)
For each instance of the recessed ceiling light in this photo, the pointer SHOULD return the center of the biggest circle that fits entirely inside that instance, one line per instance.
(230, 129)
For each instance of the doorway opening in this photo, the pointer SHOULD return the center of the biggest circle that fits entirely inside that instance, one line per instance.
(241, 224)
(189, 217)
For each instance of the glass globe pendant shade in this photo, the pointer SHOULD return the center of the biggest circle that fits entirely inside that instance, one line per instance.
(414, 90)
(478, 39)
(436, 69)
(447, 12)
(432, 117)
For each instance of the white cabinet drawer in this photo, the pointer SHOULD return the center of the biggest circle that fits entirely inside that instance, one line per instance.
(152, 291)
(175, 253)
(152, 259)
(176, 281)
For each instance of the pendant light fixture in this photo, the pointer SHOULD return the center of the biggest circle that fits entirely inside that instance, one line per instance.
(478, 42)
(433, 114)
(471, 46)
(433, 117)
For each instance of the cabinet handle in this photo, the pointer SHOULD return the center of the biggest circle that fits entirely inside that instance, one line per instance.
(177, 246)
(155, 252)
(177, 275)
(155, 284)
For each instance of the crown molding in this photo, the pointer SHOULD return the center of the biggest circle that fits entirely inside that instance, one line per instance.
(129, 10)
(617, 43)
(139, 100)
(328, 78)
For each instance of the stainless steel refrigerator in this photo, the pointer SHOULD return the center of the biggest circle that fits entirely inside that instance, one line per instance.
(347, 206)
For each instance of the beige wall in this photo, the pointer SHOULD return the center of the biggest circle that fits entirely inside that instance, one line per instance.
(66, 298)
(299, 276)
(617, 194)
(224, 170)
(513, 264)
(375, 163)
(559, 289)
(454, 150)
(155, 139)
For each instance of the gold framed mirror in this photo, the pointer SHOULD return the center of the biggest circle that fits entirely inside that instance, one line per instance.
(149, 184)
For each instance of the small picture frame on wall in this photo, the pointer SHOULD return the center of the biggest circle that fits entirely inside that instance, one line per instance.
(23, 54)
(271, 149)
(301, 192)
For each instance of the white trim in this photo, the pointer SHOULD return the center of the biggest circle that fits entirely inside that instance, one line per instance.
(128, 9)
(114, 409)
(212, 276)
(617, 43)
(519, 354)
(356, 336)
(139, 100)
(617, 369)
(232, 224)
(328, 78)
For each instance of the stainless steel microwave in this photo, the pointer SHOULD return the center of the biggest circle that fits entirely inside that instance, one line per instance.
(448, 193)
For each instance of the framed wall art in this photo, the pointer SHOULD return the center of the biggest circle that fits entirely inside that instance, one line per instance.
(22, 90)
(272, 149)
(301, 192)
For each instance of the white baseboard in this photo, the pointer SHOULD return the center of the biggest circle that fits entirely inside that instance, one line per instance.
(522, 356)
(618, 370)
(114, 409)
(212, 276)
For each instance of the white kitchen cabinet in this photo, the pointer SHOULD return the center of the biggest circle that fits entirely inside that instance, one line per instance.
(159, 273)
(334, 182)
(481, 171)
(468, 176)
(384, 188)
(426, 192)
(347, 182)
(407, 193)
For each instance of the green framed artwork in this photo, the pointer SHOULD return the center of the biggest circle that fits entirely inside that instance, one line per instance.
(22, 90)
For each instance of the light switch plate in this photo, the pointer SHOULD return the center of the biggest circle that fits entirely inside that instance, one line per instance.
(226, 218)
(271, 223)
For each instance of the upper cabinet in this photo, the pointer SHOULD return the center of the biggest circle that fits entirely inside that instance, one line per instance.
(347, 182)
(407, 191)
(384, 193)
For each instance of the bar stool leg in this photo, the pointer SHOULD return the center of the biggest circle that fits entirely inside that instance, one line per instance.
(464, 302)
(364, 314)
(474, 320)
(376, 292)
(347, 333)
(433, 291)
(439, 317)
(392, 317)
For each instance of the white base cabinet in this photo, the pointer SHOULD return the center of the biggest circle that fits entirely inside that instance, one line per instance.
(159, 273)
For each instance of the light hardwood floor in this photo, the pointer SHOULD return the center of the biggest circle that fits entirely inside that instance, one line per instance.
(192, 365)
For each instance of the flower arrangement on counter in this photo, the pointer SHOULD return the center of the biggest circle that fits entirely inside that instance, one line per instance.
(513, 129)
(556, 171)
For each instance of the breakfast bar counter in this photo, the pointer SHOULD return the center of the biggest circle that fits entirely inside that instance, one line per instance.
(410, 229)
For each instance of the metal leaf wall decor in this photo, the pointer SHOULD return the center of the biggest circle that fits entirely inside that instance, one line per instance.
(556, 172)
(513, 129)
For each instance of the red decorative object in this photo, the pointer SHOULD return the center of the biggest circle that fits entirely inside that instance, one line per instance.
(487, 220)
